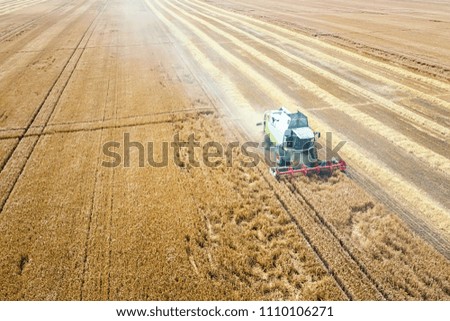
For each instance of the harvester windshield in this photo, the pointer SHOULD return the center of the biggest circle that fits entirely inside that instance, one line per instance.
(298, 120)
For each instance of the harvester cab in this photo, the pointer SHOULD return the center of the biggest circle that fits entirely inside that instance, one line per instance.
(292, 145)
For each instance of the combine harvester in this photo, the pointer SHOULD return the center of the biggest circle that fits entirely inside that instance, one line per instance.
(293, 143)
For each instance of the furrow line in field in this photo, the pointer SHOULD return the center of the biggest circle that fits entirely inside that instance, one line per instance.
(199, 110)
(87, 126)
(111, 190)
(93, 198)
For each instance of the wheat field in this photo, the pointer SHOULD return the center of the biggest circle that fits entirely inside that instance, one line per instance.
(79, 75)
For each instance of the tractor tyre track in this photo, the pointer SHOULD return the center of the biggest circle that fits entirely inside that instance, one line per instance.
(68, 69)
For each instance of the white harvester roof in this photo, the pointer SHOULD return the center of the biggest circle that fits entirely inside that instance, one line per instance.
(281, 119)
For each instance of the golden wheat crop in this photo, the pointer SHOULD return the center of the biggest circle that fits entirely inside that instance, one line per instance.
(405, 267)
(74, 229)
